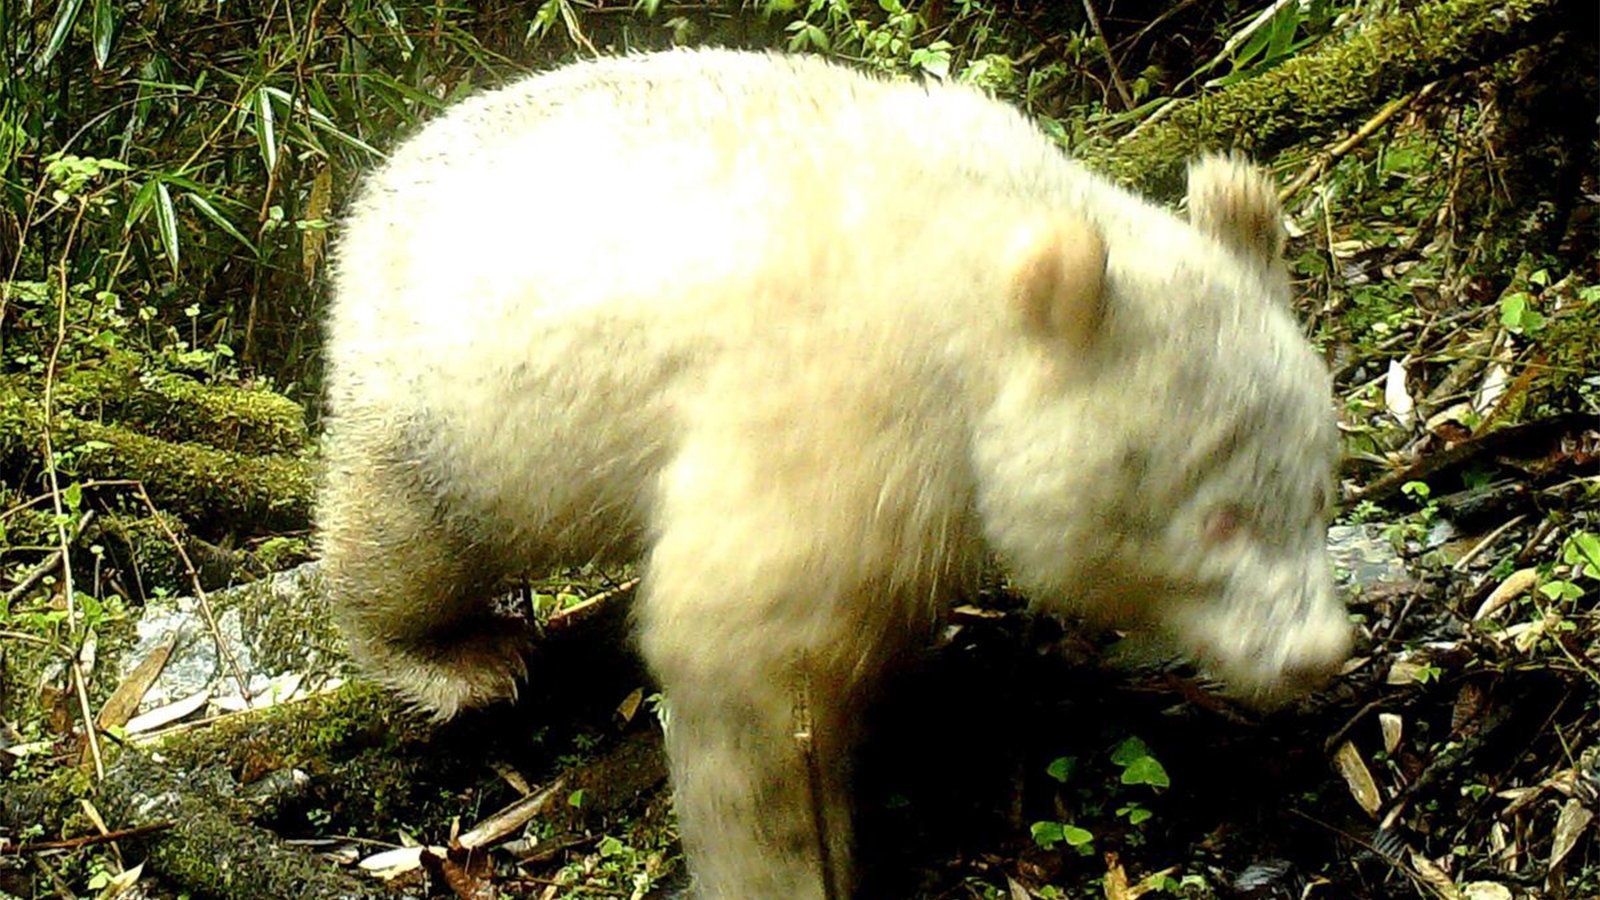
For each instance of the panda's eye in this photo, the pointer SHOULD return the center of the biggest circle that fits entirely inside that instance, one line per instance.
(1224, 523)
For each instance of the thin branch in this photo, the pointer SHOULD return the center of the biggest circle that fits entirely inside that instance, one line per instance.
(1325, 161)
(1105, 50)
(92, 839)
(80, 688)
(200, 597)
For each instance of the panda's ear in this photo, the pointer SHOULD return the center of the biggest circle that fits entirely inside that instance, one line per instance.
(1236, 203)
(1058, 279)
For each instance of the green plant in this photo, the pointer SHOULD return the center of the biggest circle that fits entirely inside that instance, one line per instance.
(1518, 315)
(1048, 834)
(1138, 766)
(1135, 767)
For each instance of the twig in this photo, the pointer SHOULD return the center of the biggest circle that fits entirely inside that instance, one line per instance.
(75, 665)
(572, 615)
(1126, 44)
(92, 839)
(200, 597)
(1478, 548)
(1105, 51)
(1367, 129)
(513, 816)
(1539, 431)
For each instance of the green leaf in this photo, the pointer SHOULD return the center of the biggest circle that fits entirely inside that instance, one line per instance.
(1251, 48)
(1061, 768)
(1048, 834)
(143, 199)
(1583, 547)
(104, 20)
(575, 799)
(1561, 590)
(1138, 815)
(60, 28)
(1075, 836)
(72, 496)
(1145, 770)
(266, 136)
(1129, 751)
(1518, 315)
(1284, 26)
(167, 224)
(206, 209)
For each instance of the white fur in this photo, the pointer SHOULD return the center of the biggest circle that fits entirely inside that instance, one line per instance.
(755, 317)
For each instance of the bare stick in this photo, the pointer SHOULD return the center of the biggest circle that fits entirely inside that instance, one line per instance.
(90, 840)
(1322, 163)
(73, 625)
(1105, 50)
(200, 597)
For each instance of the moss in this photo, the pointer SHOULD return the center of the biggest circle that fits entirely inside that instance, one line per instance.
(209, 849)
(177, 408)
(278, 553)
(367, 756)
(211, 489)
(1324, 92)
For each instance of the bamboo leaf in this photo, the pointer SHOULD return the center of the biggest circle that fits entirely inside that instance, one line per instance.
(104, 20)
(142, 200)
(266, 128)
(1283, 30)
(167, 224)
(211, 212)
(60, 28)
(321, 122)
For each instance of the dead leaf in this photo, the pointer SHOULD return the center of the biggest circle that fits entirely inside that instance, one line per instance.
(1405, 670)
(120, 883)
(124, 701)
(512, 777)
(1515, 585)
(1495, 379)
(467, 872)
(168, 713)
(1570, 825)
(1485, 890)
(313, 239)
(1357, 777)
(1116, 882)
(514, 816)
(1395, 396)
(1393, 727)
(387, 864)
(630, 705)
(1434, 877)
(1468, 710)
